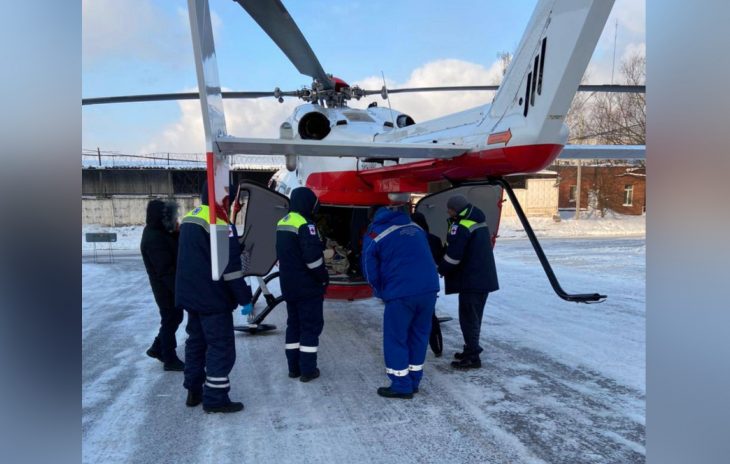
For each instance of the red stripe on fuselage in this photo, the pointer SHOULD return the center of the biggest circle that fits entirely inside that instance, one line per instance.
(492, 162)
(348, 292)
(210, 163)
(371, 187)
(344, 188)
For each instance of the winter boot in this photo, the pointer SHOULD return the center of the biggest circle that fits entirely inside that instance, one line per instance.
(233, 406)
(459, 355)
(154, 350)
(386, 392)
(175, 365)
(308, 377)
(194, 398)
(467, 363)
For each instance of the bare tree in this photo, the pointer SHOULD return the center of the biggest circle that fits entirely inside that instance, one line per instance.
(607, 190)
(612, 118)
(622, 116)
(505, 58)
(578, 117)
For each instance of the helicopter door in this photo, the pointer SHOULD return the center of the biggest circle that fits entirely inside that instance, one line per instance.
(487, 198)
(261, 209)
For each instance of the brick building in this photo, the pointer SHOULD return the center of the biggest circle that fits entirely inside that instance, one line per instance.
(621, 189)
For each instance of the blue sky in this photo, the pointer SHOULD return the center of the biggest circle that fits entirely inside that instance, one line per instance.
(144, 46)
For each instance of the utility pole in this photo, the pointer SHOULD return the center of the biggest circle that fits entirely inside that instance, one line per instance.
(98, 154)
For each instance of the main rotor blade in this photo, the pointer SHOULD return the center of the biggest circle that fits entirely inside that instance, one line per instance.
(194, 95)
(174, 96)
(610, 88)
(276, 21)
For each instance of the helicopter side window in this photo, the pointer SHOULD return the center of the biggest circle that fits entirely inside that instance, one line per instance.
(404, 120)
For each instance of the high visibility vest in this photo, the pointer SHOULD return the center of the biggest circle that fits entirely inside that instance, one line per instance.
(291, 222)
(470, 225)
(200, 216)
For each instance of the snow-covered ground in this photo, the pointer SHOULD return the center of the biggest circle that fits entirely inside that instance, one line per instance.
(613, 225)
(589, 225)
(561, 382)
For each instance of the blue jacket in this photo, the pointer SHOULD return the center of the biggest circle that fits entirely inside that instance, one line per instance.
(302, 273)
(195, 289)
(468, 265)
(396, 259)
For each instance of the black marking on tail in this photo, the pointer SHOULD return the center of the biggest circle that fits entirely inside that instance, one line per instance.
(542, 65)
(534, 79)
(527, 95)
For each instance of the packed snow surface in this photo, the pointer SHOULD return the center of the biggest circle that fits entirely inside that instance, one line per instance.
(560, 382)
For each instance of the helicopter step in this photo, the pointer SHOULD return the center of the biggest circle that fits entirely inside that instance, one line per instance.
(255, 323)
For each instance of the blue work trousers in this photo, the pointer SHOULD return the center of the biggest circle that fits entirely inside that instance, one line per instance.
(406, 329)
(210, 353)
(304, 325)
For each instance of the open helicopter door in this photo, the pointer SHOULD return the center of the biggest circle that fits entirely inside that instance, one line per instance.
(487, 198)
(259, 210)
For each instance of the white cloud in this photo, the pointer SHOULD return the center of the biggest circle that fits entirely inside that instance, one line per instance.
(634, 49)
(629, 38)
(244, 118)
(424, 106)
(261, 117)
(631, 15)
(137, 30)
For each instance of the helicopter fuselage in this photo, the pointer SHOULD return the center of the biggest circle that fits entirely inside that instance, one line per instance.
(500, 146)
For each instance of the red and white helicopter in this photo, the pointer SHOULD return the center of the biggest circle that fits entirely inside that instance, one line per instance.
(355, 158)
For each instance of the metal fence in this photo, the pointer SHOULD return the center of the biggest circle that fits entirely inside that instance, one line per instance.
(100, 159)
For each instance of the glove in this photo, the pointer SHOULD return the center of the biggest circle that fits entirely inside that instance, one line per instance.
(246, 309)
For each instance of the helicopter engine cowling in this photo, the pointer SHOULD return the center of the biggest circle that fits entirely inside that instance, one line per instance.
(312, 122)
(392, 117)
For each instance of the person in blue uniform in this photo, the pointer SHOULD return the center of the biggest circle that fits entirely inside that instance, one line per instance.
(210, 350)
(303, 278)
(397, 263)
(469, 270)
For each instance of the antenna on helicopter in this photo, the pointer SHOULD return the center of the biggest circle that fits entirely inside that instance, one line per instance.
(387, 97)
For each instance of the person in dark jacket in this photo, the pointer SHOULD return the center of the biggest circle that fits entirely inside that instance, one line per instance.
(303, 278)
(159, 253)
(436, 340)
(210, 350)
(469, 270)
(397, 263)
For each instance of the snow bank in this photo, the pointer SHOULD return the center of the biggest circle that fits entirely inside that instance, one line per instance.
(613, 225)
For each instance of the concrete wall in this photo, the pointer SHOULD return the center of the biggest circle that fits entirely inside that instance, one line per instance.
(107, 182)
(126, 210)
(540, 198)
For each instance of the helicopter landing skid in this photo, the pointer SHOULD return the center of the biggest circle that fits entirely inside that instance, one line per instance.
(578, 298)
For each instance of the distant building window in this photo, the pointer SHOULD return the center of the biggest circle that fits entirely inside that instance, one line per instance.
(571, 195)
(628, 195)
